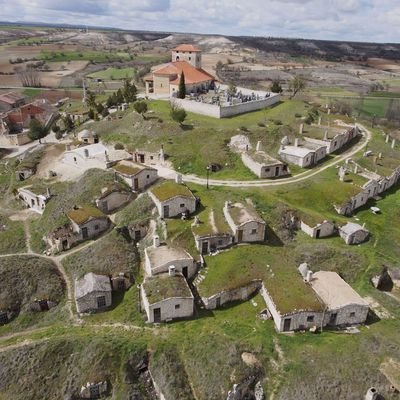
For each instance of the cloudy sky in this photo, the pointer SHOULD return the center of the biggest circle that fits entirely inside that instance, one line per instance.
(360, 20)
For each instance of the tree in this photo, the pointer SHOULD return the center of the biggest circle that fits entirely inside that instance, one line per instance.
(129, 92)
(119, 97)
(232, 89)
(29, 77)
(276, 86)
(140, 107)
(297, 84)
(68, 123)
(177, 114)
(90, 99)
(182, 87)
(37, 130)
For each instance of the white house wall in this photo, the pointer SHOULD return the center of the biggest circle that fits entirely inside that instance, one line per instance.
(175, 209)
(88, 302)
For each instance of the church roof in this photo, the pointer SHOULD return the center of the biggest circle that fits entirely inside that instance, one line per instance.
(192, 74)
(186, 47)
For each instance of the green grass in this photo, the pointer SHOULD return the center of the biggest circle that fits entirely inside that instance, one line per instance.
(12, 238)
(113, 73)
(31, 92)
(87, 55)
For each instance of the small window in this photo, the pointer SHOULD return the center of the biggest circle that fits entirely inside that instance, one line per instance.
(96, 227)
(182, 205)
(267, 169)
(101, 301)
(220, 242)
(148, 176)
(310, 318)
(352, 314)
(253, 231)
(190, 58)
(177, 306)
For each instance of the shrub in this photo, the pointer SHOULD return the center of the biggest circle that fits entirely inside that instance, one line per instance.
(118, 146)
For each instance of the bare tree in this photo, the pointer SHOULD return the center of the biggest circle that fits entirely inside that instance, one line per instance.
(29, 77)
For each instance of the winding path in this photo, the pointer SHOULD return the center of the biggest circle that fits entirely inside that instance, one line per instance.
(169, 173)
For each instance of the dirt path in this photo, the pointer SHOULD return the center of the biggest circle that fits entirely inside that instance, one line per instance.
(277, 366)
(169, 173)
(28, 237)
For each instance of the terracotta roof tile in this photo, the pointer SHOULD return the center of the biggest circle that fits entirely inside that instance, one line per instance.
(186, 47)
(192, 74)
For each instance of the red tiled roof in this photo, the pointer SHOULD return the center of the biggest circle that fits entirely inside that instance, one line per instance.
(186, 47)
(11, 98)
(192, 74)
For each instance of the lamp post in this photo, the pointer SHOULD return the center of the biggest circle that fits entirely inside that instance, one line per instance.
(208, 172)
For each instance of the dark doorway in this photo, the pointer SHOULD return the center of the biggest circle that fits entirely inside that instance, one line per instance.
(138, 235)
(332, 319)
(318, 233)
(276, 171)
(204, 248)
(286, 324)
(185, 272)
(240, 235)
(136, 184)
(141, 158)
(157, 315)
(101, 301)
(65, 244)
(85, 233)
(218, 302)
(44, 305)
(166, 211)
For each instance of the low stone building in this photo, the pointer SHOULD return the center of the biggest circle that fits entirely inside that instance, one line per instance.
(94, 390)
(137, 176)
(305, 155)
(34, 198)
(88, 136)
(316, 228)
(88, 221)
(353, 233)
(263, 165)
(158, 259)
(245, 223)
(343, 305)
(166, 297)
(93, 293)
(24, 173)
(11, 100)
(112, 198)
(212, 234)
(122, 281)
(173, 199)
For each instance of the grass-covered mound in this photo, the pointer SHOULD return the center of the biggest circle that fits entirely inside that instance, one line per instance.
(12, 236)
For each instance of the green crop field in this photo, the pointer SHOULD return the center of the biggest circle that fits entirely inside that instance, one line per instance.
(113, 73)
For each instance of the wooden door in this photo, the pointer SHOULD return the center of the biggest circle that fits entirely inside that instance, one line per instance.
(157, 315)
(85, 233)
(166, 211)
(185, 272)
(240, 235)
(136, 184)
(286, 324)
(318, 233)
(204, 248)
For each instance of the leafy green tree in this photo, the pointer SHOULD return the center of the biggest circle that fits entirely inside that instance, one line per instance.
(178, 114)
(182, 87)
(232, 89)
(90, 99)
(37, 130)
(68, 123)
(119, 97)
(297, 84)
(140, 107)
(129, 92)
(276, 87)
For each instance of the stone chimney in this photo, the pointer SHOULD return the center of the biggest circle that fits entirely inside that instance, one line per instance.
(393, 143)
(48, 193)
(356, 169)
(178, 179)
(372, 394)
(258, 147)
(319, 120)
(301, 129)
(363, 225)
(326, 135)
(156, 241)
(387, 139)
(309, 276)
(296, 142)
(171, 270)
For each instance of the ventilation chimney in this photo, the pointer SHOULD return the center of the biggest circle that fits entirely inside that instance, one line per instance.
(86, 152)
(372, 394)
(296, 142)
(309, 276)
(363, 225)
(171, 270)
(156, 241)
(301, 129)
(326, 135)
(178, 179)
(258, 147)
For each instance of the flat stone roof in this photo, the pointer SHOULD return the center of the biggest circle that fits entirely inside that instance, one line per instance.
(241, 213)
(162, 287)
(163, 254)
(262, 157)
(334, 291)
(298, 151)
(351, 228)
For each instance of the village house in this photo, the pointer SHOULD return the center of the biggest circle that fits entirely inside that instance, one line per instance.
(87, 136)
(246, 225)
(353, 233)
(334, 138)
(137, 176)
(122, 281)
(212, 234)
(149, 157)
(173, 199)
(138, 230)
(93, 293)
(112, 198)
(305, 155)
(343, 305)
(263, 165)
(166, 297)
(186, 59)
(34, 198)
(159, 257)
(315, 227)
(93, 156)
(88, 221)
(11, 100)
(22, 173)
(292, 304)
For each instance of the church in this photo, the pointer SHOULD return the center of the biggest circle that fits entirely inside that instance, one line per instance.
(186, 59)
